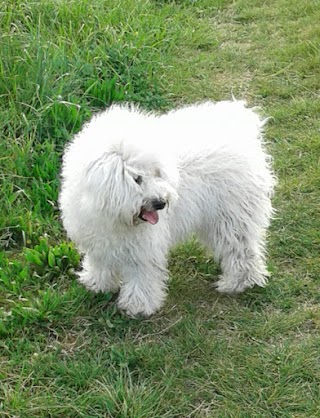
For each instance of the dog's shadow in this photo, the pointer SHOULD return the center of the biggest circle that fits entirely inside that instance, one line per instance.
(193, 274)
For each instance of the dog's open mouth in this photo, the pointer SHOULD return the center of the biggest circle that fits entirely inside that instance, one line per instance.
(150, 216)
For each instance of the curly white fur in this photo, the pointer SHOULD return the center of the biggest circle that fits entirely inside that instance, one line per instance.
(205, 163)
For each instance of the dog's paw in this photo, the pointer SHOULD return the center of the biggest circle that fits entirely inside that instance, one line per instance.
(134, 301)
(136, 307)
(230, 287)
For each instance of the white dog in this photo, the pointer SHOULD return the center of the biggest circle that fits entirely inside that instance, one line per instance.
(203, 167)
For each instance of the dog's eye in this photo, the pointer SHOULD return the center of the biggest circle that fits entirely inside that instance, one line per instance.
(138, 180)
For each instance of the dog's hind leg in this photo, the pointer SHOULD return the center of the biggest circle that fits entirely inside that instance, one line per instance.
(235, 229)
(242, 260)
(243, 266)
(97, 277)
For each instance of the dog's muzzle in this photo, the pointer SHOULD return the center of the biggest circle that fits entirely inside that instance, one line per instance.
(149, 212)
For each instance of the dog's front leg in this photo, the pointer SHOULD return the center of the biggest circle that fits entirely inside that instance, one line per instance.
(143, 290)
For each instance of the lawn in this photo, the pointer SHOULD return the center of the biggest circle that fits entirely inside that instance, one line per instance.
(67, 353)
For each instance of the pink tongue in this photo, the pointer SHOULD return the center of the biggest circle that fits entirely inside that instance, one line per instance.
(152, 216)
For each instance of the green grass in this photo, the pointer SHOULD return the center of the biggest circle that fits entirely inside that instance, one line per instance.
(67, 353)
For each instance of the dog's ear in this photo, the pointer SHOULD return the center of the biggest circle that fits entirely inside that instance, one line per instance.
(104, 179)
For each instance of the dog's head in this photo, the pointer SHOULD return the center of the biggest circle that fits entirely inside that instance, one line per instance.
(130, 186)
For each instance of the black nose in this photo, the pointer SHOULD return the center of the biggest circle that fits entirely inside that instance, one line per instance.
(158, 204)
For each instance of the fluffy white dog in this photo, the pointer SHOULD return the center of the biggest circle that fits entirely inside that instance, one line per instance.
(135, 183)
